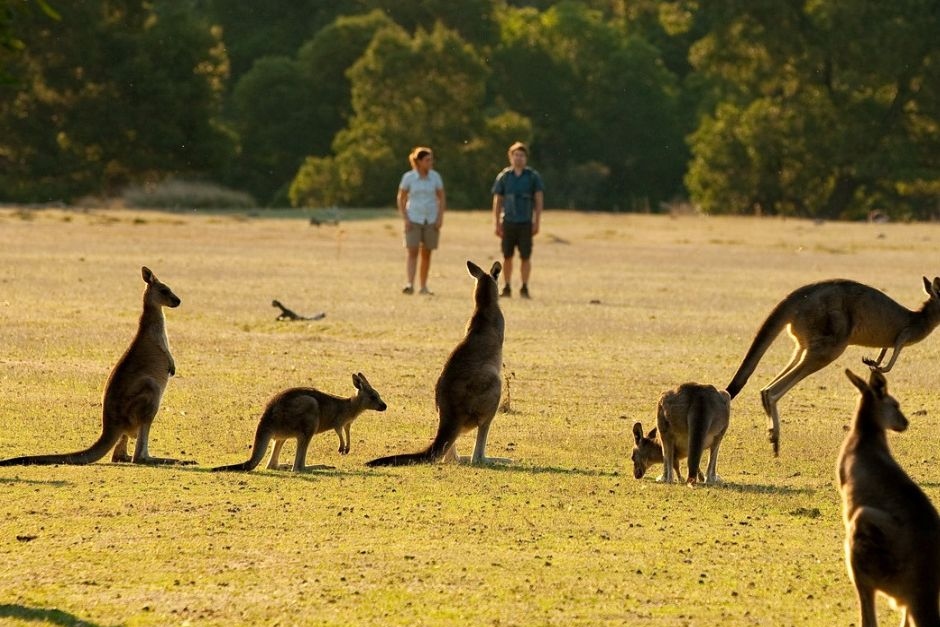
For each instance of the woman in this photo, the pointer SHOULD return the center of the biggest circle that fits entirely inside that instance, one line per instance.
(421, 205)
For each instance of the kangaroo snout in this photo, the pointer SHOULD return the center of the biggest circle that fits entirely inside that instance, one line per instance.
(381, 407)
(174, 302)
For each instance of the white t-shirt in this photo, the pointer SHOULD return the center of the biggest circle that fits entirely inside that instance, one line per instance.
(422, 195)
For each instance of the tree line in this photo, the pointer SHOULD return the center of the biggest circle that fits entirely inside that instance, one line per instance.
(827, 109)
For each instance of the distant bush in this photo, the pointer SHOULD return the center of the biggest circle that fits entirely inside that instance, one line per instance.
(176, 194)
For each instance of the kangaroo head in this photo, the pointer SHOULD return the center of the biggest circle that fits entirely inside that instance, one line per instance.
(486, 281)
(367, 392)
(647, 450)
(932, 304)
(158, 293)
(876, 404)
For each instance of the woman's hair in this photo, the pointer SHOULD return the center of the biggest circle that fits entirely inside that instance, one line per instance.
(417, 154)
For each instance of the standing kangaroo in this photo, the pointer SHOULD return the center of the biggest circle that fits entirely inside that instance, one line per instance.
(689, 419)
(892, 531)
(304, 412)
(134, 389)
(823, 319)
(468, 389)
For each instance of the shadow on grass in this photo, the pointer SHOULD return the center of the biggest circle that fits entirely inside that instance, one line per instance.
(56, 483)
(757, 488)
(40, 615)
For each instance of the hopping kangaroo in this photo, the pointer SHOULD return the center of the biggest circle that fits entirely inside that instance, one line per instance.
(134, 389)
(823, 319)
(469, 386)
(304, 412)
(892, 531)
(689, 419)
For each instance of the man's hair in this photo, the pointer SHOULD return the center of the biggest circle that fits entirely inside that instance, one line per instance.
(518, 146)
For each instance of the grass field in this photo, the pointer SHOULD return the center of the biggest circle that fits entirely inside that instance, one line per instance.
(624, 307)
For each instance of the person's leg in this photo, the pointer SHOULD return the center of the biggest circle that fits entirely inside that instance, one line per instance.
(411, 267)
(525, 255)
(508, 246)
(425, 267)
(507, 275)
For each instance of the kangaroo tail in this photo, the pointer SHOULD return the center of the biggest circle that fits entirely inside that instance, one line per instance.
(258, 449)
(446, 435)
(697, 430)
(768, 332)
(91, 454)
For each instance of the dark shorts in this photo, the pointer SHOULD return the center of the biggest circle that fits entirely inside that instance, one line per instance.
(517, 235)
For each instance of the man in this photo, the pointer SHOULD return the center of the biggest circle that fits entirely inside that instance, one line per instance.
(517, 211)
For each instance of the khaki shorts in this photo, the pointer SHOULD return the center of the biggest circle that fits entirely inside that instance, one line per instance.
(422, 234)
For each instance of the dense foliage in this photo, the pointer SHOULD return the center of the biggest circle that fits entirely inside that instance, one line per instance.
(826, 108)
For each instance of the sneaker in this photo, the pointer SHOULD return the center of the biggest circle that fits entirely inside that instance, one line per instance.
(426, 292)
(408, 289)
(507, 291)
(524, 292)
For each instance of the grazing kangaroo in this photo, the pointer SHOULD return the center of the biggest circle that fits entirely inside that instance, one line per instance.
(892, 531)
(134, 389)
(689, 419)
(468, 389)
(823, 319)
(304, 412)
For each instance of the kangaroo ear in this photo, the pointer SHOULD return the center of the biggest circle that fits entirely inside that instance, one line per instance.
(857, 381)
(638, 432)
(475, 271)
(936, 286)
(652, 434)
(496, 269)
(147, 274)
(362, 378)
(357, 382)
(878, 384)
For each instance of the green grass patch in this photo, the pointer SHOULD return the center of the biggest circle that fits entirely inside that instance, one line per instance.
(623, 307)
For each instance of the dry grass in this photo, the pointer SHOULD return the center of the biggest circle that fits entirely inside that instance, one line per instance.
(624, 307)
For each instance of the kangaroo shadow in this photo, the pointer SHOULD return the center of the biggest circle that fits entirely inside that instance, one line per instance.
(55, 483)
(42, 615)
(759, 488)
(514, 468)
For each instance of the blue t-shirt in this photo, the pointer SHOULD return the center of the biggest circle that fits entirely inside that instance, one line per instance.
(518, 193)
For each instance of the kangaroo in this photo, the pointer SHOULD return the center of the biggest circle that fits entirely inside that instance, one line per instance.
(689, 419)
(133, 392)
(823, 319)
(892, 531)
(304, 412)
(468, 389)
(287, 314)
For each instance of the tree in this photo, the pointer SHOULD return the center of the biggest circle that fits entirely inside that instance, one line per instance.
(604, 107)
(828, 109)
(115, 92)
(426, 89)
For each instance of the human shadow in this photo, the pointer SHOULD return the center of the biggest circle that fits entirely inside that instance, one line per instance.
(43, 615)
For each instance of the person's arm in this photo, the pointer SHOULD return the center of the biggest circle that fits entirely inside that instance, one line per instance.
(441, 207)
(537, 212)
(402, 203)
(498, 214)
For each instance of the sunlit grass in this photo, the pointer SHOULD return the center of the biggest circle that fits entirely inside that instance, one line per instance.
(624, 307)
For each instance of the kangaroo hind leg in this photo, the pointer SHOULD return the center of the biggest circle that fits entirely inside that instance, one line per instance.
(811, 361)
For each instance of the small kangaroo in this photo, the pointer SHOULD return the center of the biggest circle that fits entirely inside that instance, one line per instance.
(892, 531)
(689, 419)
(468, 389)
(134, 389)
(304, 412)
(823, 319)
